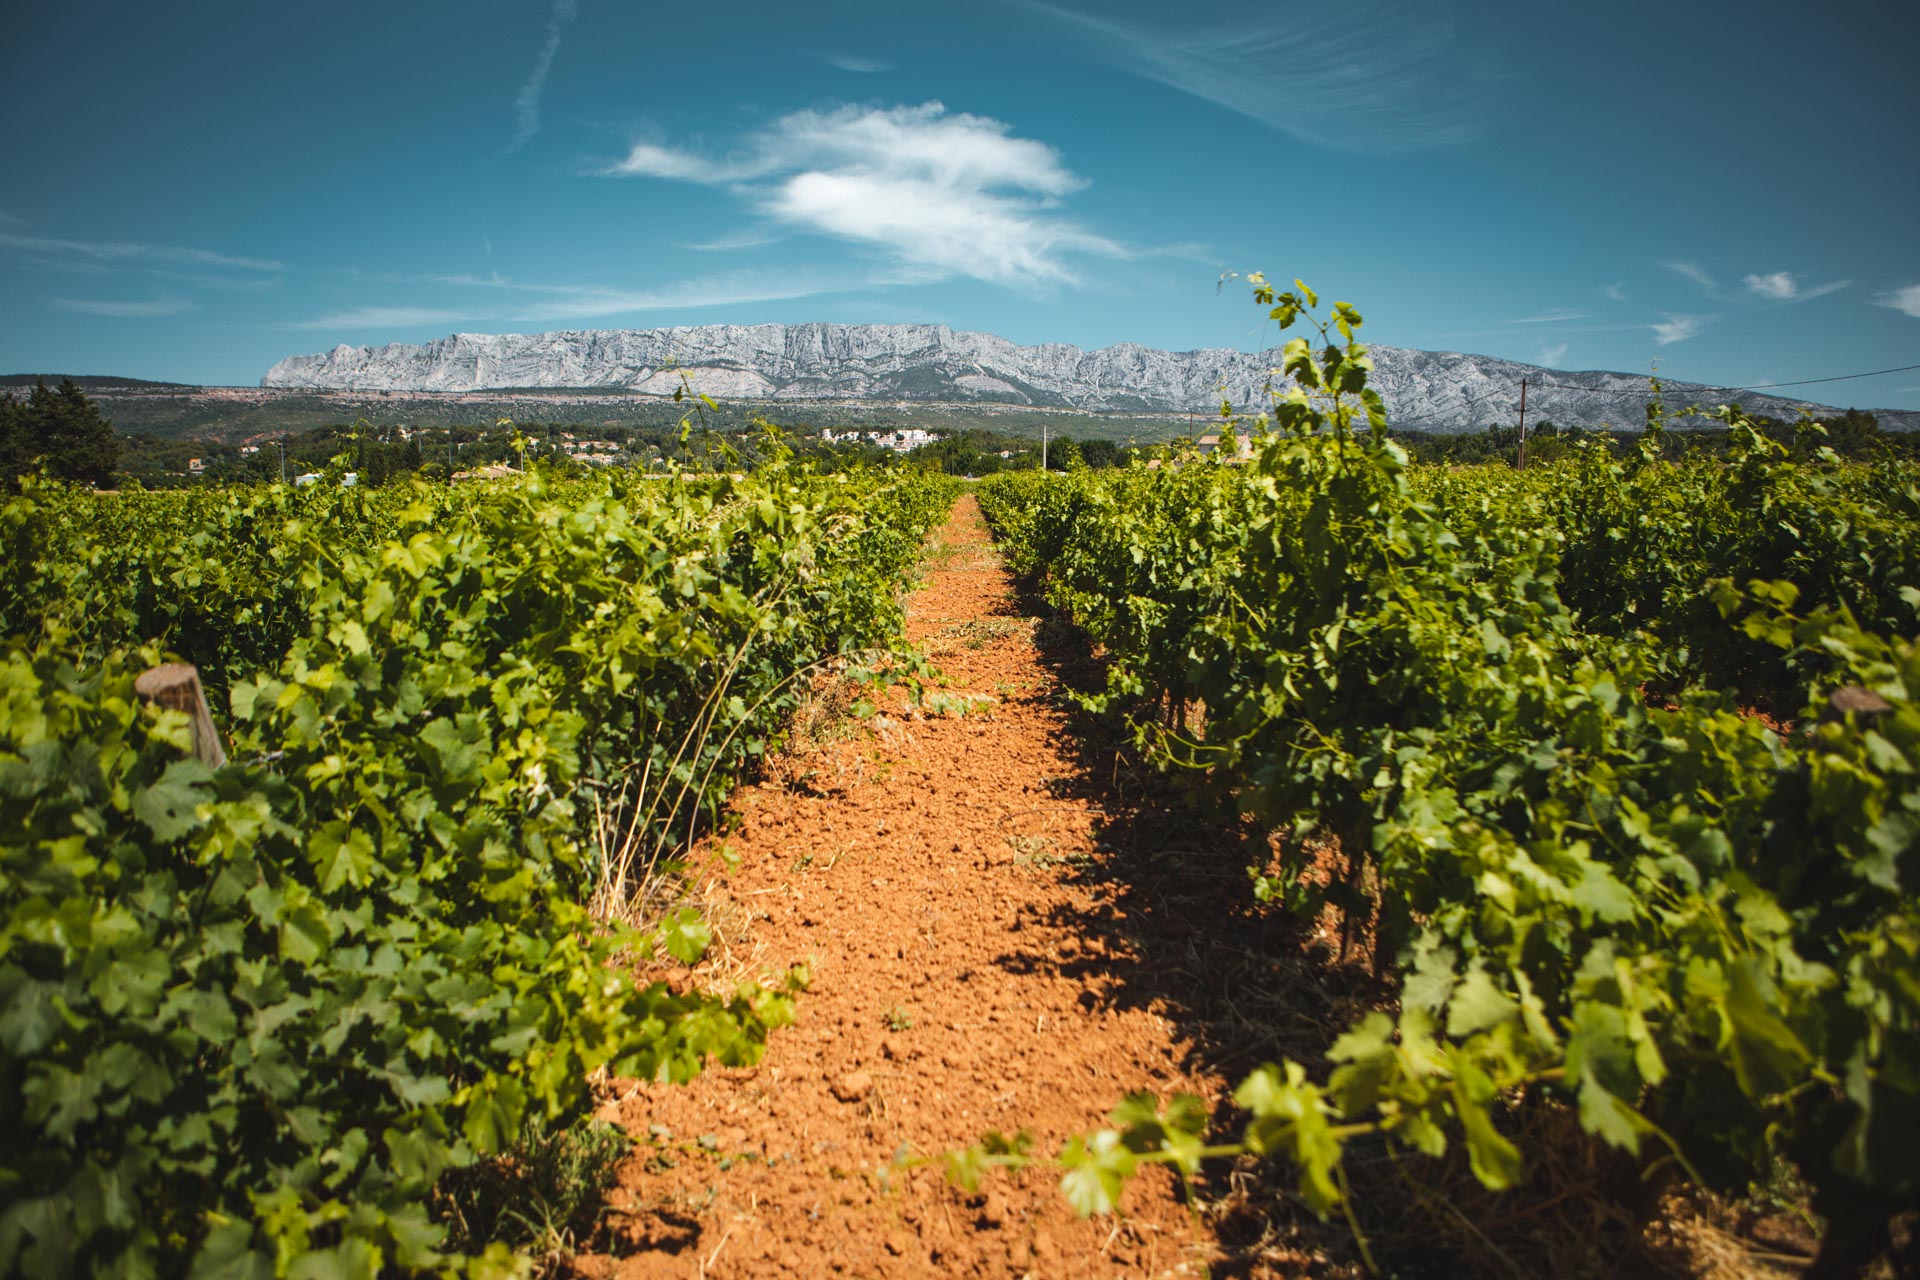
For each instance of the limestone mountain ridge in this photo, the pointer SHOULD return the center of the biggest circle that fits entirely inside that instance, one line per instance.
(1435, 390)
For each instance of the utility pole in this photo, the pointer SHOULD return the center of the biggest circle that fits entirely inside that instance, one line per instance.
(281, 445)
(1043, 446)
(1523, 424)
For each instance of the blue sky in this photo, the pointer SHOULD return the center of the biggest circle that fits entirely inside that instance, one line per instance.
(1730, 190)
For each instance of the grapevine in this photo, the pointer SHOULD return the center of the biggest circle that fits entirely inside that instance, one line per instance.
(249, 1017)
(1522, 704)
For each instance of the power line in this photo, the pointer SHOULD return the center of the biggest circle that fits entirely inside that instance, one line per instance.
(1804, 382)
(1757, 386)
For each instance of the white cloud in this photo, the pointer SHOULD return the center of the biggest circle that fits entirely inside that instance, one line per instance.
(963, 150)
(963, 232)
(118, 251)
(923, 142)
(1616, 291)
(1694, 272)
(1368, 75)
(1778, 287)
(526, 104)
(1905, 300)
(1676, 328)
(1553, 355)
(942, 194)
(647, 160)
(122, 310)
(856, 63)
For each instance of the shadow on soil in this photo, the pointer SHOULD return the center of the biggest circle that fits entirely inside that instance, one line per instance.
(1176, 928)
(1179, 928)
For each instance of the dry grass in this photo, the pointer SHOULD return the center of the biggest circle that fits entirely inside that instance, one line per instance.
(975, 633)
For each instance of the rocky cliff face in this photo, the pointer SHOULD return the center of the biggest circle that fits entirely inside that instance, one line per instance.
(1436, 390)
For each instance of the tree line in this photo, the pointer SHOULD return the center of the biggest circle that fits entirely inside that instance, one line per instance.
(1855, 434)
(59, 431)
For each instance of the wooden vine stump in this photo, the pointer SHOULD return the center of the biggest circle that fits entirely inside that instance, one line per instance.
(1854, 700)
(176, 685)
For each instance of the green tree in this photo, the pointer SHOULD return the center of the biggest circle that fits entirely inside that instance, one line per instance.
(58, 431)
(11, 443)
(1854, 434)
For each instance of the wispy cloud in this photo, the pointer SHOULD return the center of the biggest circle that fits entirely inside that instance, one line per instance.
(1367, 76)
(738, 240)
(526, 104)
(1553, 315)
(1553, 355)
(732, 289)
(1781, 286)
(1820, 290)
(103, 251)
(125, 310)
(1676, 328)
(220, 284)
(1188, 250)
(856, 63)
(1775, 287)
(942, 194)
(1617, 291)
(566, 303)
(383, 318)
(1905, 300)
(67, 265)
(1506, 331)
(1694, 272)
(650, 160)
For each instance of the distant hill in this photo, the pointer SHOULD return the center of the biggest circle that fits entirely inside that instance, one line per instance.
(907, 364)
(85, 381)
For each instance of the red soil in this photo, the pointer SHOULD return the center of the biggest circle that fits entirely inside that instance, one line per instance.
(965, 979)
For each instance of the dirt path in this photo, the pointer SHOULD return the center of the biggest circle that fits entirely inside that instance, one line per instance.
(966, 977)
